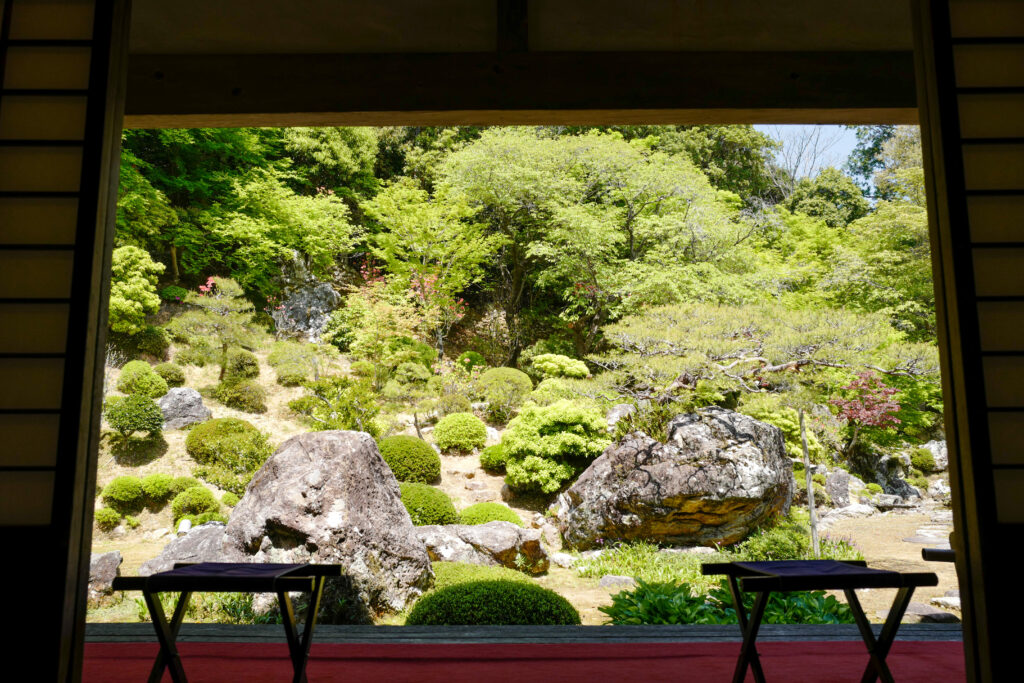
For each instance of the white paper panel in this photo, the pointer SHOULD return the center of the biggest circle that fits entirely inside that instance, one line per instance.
(61, 68)
(26, 498)
(29, 440)
(33, 383)
(994, 167)
(996, 218)
(42, 118)
(35, 274)
(40, 169)
(33, 328)
(989, 65)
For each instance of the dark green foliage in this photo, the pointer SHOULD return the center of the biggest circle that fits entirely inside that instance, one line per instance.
(831, 196)
(672, 603)
(246, 395)
(427, 505)
(411, 459)
(481, 513)
(172, 374)
(470, 360)
(493, 603)
(107, 519)
(460, 432)
(173, 294)
(125, 494)
(922, 459)
(229, 452)
(158, 488)
(242, 364)
(450, 573)
(194, 501)
(504, 389)
(153, 341)
(492, 458)
(137, 377)
(135, 413)
(339, 403)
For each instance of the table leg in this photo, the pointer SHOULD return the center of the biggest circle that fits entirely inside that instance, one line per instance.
(878, 649)
(166, 634)
(749, 628)
(298, 647)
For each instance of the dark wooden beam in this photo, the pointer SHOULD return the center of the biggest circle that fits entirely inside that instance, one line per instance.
(514, 87)
(513, 29)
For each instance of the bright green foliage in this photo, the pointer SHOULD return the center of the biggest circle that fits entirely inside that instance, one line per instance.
(172, 374)
(790, 539)
(242, 364)
(203, 518)
(552, 390)
(493, 603)
(362, 368)
(504, 389)
(470, 360)
(157, 488)
(229, 499)
(767, 408)
(830, 195)
(247, 396)
(427, 505)
(125, 494)
(554, 365)
(134, 413)
(295, 362)
(219, 315)
(132, 289)
(138, 377)
(132, 522)
(338, 159)
(900, 174)
(874, 488)
(191, 355)
(194, 501)
(290, 375)
(481, 513)
(492, 458)
(461, 432)
(339, 403)
(450, 573)
(410, 458)
(546, 447)
(412, 373)
(229, 451)
(922, 459)
(182, 483)
(448, 404)
(107, 519)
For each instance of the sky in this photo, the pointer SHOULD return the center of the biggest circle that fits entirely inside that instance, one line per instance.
(837, 141)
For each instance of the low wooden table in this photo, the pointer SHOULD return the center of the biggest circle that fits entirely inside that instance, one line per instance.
(219, 577)
(807, 575)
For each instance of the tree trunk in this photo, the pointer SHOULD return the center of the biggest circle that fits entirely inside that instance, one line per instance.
(174, 264)
(223, 361)
(810, 489)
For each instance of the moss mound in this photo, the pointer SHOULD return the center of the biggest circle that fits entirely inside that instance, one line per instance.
(481, 513)
(493, 603)
(427, 505)
(410, 459)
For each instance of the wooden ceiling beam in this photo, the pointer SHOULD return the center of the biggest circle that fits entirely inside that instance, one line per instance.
(518, 87)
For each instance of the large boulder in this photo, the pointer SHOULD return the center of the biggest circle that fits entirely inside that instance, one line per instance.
(940, 453)
(493, 543)
(720, 475)
(103, 569)
(837, 486)
(329, 497)
(183, 407)
(305, 310)
(204, 543)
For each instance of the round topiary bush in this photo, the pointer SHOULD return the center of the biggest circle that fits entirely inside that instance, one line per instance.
(493, 603)
(125, 494)
(153, 341)
(173, 294)
(194, 501)
(453, 403)
(427, 505)
(481, 513)
(137, 377)
(470, 360)
(492, 458)
(208, 441)
(460, 432)
(134, 413)
(182, 484)
(157, 488)
(229, 451)
(172, 374)
(557, 365)
(922, 459)
(241, 364)
(247, 396)
(504, 389)
(107, 519)
(410, 459)
(450, 573)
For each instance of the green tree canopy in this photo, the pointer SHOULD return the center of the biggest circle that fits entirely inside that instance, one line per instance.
(132, 289)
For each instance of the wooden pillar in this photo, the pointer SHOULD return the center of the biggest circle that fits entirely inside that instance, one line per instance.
(970, 70)
(61, 83)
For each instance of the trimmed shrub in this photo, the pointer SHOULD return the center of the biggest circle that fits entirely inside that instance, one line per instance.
(448, 404)
(460, 432)
(137, 377)
(481, 513)
(291, 374)
(194, 501)
(107, 519)
(203, 518)
(124, 494)
(427, 505)
(152, 341)
(173, 294)
(131, 522)
(172, 374)
(470, 360)
(551, 390)
(504, 389)
(412, 373)
(158, 488)
(134, 413)
(556, 365)
(546, 447)
(451, 573)
(247, 396)
(492, 458)
(229, 499)
(241, 364)
(493, 603)
(410, 458)
(229, 452)
(182, 484)
(922, 459)
(873, 488)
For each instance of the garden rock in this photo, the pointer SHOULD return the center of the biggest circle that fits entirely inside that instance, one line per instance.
(564, 560)
(846, 512)
(103, 569)
(328, 497)
(614, 581)
(495, 544)
(305, 310)
(939, 489)
(837, 486)
(720, 475)
(617, 412)
(940, 453)
(493, 436)
(183, 407)
(204, 543)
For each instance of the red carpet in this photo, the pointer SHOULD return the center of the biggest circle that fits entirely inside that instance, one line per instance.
(911, 662)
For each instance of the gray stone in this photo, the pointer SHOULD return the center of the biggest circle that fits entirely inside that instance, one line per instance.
(549, 532)
(617, 412)
(474, 485)
(184, 526)
(103, 569)
(837, 486)
(204, 543)
(720, 475)
(305, 310)
(939, 489)
(183, 407)
(495, 543)
(940, 453)
(846, 512)
(947, 602)
(887, 501)
(493, 436)
(564, 560)
(615, 581)
(482, 496)
(918, 611)
(955, 593)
